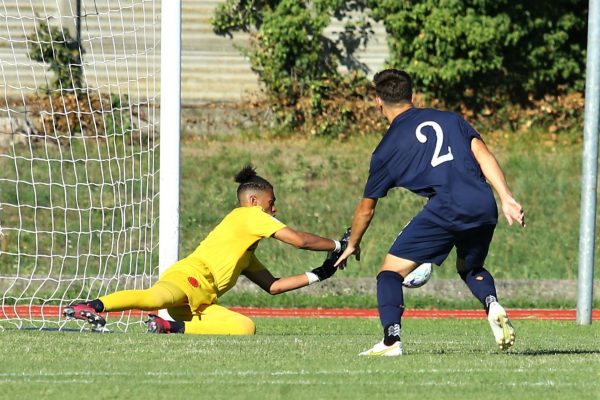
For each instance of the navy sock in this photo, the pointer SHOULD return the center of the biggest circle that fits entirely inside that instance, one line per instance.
(96, 305)
(481, 283)
(390, 302)
(177, 326)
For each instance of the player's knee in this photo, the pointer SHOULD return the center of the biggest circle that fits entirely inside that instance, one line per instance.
(244, 326)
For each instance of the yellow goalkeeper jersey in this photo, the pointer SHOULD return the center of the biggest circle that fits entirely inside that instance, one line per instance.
(229, 247)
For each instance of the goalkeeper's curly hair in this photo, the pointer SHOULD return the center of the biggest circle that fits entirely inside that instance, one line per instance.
(249, 179)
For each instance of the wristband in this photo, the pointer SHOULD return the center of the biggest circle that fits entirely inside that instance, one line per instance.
(338, 246)
(312, 277)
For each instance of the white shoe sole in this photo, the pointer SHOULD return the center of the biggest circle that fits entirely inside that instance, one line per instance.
(383, 351)
(502, 329)
(508, 333)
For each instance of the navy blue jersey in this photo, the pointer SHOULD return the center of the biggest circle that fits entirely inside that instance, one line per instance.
(428, 152)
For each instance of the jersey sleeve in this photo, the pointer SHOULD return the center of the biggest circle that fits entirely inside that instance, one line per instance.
(262, 224)
(254, 265)
(379, 181)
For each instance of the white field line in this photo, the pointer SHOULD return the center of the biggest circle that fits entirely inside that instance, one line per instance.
(312, 382)
(195, 375)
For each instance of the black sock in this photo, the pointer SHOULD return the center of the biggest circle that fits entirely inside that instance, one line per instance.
(177, 326)
(391, 334)
(481, 283)
(390, 302)
(96, 305)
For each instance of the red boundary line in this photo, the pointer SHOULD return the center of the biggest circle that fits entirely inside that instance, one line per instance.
(23, 311)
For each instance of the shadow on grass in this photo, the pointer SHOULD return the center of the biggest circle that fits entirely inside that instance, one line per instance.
(540, 352)
(64, 330)
(552, 352)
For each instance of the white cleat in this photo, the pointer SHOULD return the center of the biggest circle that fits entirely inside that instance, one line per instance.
(501, 326)
(381, 349)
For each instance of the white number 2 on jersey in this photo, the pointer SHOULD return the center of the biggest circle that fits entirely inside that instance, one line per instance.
(437, 159)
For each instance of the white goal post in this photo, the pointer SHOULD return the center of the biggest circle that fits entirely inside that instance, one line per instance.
(79, 155)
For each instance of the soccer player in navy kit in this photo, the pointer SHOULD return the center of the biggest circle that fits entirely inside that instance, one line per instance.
(438, 155)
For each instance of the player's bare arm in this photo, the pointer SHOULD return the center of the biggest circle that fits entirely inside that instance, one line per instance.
(363, 215)
(305, 240)
(272, 285)
(495, 176)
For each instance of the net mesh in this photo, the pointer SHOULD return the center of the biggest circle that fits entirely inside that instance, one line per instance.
(79, 84)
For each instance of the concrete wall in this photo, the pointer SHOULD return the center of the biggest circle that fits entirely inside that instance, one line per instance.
(123, 49)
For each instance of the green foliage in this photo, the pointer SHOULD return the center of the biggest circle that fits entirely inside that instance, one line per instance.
(503, 64)
(484, 52)
(55, 47)
(297, 64)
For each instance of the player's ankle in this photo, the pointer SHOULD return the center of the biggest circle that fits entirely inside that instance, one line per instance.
(489, 300)
(176, 326)
(96, 304)
(391, 334)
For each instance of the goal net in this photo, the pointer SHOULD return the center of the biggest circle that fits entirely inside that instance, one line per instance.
(79, 82)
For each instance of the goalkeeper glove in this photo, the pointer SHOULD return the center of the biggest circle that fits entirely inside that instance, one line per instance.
(326, 270)
(334, 255)
(345, 239)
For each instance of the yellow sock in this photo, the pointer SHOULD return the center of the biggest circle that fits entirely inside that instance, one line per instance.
(161, 295)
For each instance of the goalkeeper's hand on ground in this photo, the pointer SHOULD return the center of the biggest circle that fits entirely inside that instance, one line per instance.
(326, 270)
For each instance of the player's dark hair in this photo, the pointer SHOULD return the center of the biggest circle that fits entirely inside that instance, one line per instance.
(393, 86)
(248, 179)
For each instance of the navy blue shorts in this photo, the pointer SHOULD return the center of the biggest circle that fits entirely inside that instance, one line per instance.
(424, 241)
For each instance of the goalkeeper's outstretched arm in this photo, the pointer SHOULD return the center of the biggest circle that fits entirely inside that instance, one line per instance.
(305, 240)
(272, 285)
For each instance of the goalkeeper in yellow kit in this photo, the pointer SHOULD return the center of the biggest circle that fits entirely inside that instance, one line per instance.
(189, 289)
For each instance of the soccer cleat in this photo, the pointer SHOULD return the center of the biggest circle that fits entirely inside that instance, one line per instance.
(380, 349)
(157, 324)
(501, 326)
(87, 313)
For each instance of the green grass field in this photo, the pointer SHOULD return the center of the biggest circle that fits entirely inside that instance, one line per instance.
(306, 359)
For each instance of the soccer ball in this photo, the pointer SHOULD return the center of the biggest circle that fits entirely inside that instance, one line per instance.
(418, 277)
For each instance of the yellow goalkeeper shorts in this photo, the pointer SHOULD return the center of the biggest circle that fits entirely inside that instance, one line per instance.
(195, 280)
